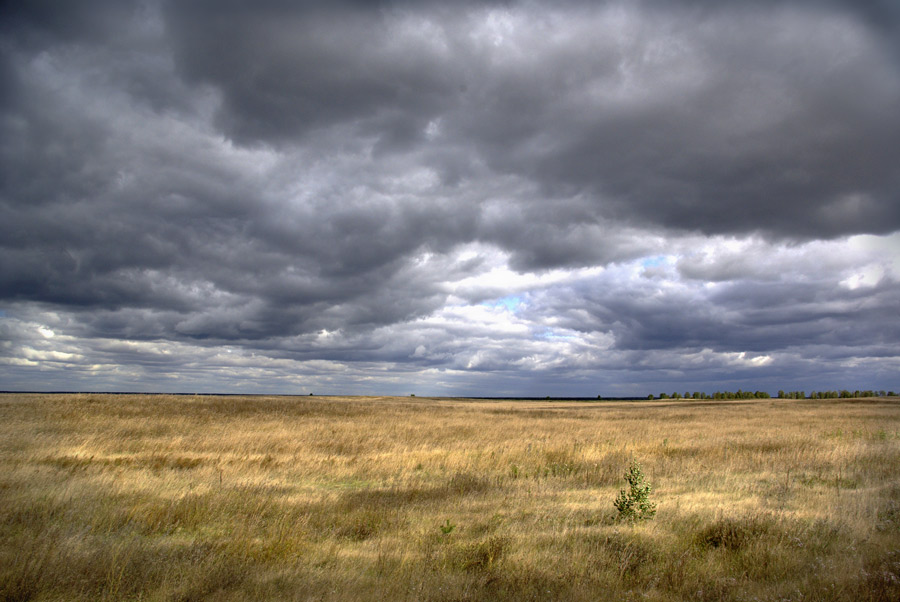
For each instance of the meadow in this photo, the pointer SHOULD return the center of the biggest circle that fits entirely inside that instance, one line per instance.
(156, 497)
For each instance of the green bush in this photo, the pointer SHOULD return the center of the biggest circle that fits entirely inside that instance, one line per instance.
(634, 504)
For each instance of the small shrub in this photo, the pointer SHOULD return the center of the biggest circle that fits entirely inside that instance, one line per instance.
(634, 504)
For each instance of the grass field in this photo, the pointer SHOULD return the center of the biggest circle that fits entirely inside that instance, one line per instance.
(134, 497)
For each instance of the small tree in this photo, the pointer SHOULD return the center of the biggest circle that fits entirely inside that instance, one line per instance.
(635, 504)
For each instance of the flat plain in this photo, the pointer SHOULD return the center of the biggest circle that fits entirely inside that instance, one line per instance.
(160, 497)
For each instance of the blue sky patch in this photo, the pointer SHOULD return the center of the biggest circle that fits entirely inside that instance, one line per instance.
(511, 303)
(655, 261)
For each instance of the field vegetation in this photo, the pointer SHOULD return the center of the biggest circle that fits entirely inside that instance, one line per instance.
(106, 497)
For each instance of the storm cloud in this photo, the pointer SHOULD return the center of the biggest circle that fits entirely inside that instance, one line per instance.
(495, 198)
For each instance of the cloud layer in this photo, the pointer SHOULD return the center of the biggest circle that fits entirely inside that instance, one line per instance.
(494, 198)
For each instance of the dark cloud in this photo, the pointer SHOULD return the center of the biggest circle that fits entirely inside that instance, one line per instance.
(508, 194)
(774, 119)
(284, 70)
(45, 23)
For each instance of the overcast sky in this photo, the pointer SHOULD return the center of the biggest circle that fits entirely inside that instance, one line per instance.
(473, 198)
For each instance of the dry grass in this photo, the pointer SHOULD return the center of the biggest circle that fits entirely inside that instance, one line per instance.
(238, 498)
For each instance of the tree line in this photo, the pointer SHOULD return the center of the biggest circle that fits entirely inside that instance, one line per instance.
(739, 394)
(842, 394)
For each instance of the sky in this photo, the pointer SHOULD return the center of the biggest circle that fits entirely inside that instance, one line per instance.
(474, 198)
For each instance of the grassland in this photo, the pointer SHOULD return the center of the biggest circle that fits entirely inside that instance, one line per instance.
(308, 498)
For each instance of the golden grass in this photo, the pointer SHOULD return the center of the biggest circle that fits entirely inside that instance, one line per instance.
(106, 497)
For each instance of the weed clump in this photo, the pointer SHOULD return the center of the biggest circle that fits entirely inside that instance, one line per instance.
(447, 527)
(634, 504)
